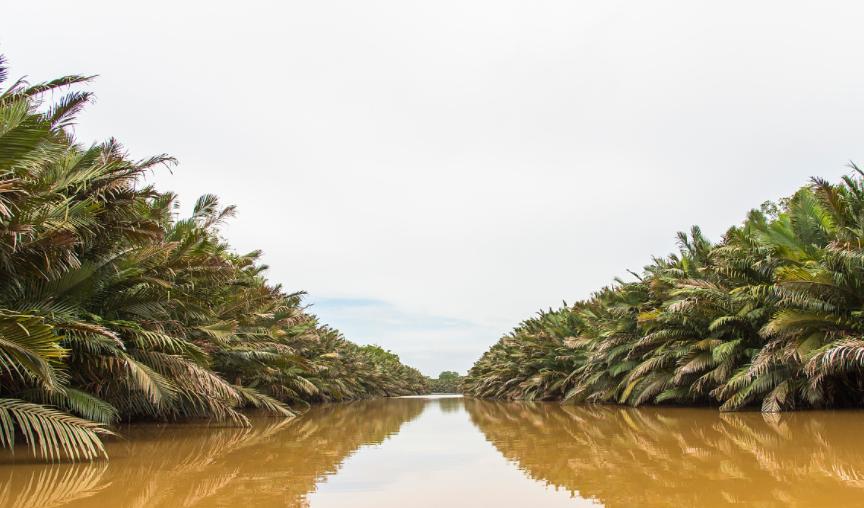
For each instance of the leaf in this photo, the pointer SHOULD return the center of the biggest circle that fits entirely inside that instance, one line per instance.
(56, 434)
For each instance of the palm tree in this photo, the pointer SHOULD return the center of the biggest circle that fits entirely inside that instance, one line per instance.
(769, 317)
(113, 308)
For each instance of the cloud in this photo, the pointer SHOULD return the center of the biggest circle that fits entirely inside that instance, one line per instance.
(458, 165)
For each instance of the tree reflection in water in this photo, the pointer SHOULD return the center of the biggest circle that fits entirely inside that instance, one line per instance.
(616, 456)
(274, 463)
(681, 457)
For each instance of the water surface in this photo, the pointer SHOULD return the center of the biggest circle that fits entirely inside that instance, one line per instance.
(432, 451)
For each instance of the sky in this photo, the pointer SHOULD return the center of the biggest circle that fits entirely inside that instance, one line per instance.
(432, 173)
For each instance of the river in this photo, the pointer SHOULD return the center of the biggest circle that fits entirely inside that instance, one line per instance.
(453, 452)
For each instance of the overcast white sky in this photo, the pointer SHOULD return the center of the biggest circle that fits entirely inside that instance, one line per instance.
(434, 172)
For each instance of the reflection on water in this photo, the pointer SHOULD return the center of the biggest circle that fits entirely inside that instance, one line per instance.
(454, 452)
(682, 457)
(274, 463)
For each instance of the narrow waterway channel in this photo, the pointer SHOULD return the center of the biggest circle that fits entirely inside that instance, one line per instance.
(451, 452)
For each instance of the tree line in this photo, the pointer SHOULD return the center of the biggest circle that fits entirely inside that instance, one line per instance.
(770, 317)
(446, 382)
(113, 308)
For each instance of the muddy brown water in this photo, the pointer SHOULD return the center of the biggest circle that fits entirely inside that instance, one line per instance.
(452, 452)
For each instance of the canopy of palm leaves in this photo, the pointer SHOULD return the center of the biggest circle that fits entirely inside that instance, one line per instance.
(770, 317)
(113, 308)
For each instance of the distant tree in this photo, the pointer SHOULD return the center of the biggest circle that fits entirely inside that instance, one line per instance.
(448, 382)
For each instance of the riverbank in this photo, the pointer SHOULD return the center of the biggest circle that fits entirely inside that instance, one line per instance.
(116, 308)
(766, 318)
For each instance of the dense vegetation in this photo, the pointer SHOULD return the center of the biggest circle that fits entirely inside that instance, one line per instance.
(113, 308)
(447, 382)
(770, 317)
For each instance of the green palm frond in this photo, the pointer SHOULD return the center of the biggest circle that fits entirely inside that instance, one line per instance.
(49, 433)
(29, 348)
